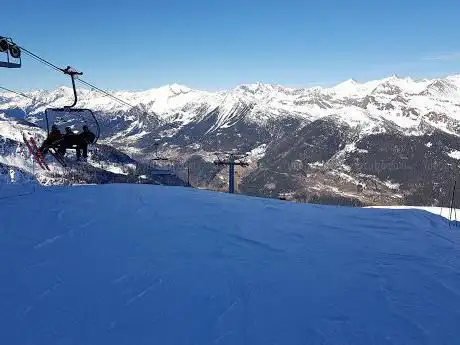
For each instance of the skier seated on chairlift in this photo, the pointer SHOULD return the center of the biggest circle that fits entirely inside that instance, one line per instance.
(52, 140)
(87, 137)
(78, 141)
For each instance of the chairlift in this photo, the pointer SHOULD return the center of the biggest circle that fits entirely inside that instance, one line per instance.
(12, 52)
(77, 119)
(156, 157)
(68, 116)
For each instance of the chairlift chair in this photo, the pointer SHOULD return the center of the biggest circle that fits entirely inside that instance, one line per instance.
(156, 156)
(68, 116)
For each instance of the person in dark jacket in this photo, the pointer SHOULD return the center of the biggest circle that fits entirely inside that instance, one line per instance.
(69, 140)
(78, 141)
(86, 137)
(53, 139)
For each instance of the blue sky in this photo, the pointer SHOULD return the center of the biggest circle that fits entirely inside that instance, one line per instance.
(135, 45)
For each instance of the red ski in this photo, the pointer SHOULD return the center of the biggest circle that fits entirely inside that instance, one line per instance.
(39, 153)
(35, 152)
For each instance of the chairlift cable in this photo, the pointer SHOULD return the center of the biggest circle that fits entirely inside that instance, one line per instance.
(105, 92)
(55, 67)
(38, 58)
(16, 92)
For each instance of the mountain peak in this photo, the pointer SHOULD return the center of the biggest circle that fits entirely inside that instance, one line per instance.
(64, 88)
(260, 87)
(346, 88)
(441, 88)
(350, 81)
(175, 88)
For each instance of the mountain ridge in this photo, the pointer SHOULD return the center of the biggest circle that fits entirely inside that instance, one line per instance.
(174, 102)
(312, 126)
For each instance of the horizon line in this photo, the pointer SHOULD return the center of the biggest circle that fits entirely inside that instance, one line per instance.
(311, 85)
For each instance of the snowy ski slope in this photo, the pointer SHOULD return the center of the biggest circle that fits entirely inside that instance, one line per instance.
(442, 211)
(143, 265)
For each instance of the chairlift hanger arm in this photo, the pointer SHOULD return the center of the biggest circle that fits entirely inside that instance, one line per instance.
(72, 73)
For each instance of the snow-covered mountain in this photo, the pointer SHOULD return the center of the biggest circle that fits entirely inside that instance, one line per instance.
(391, 99)
(105, 163)
(291, 125)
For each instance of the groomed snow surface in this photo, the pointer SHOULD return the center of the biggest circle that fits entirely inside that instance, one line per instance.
(445, 212)
(143, 265)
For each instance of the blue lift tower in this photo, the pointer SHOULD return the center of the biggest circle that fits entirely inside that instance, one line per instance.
(232, 160)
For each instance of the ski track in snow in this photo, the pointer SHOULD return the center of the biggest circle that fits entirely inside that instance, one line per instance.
(255, 243)
(120, 279)
(47, 242)
(27, 310)
(225, 335)
(144, 292)
(50, 290)
(226, 311)
(245, 240)
(87, 224)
